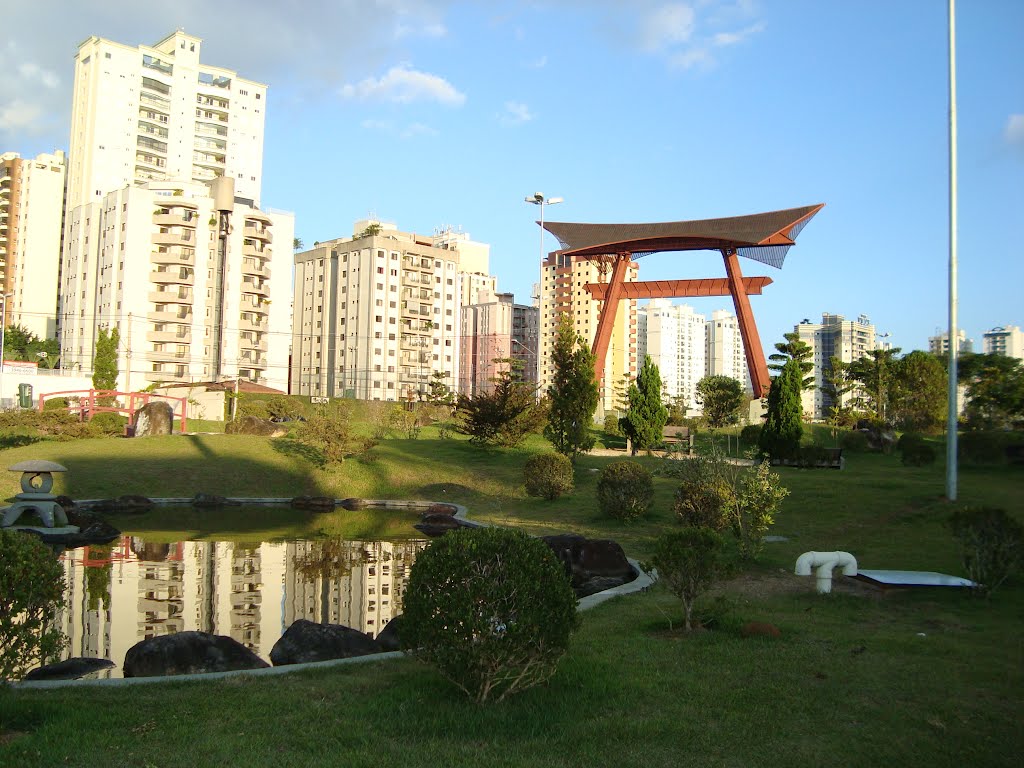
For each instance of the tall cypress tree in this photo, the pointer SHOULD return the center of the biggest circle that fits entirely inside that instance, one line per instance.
(647, 416)
(104, 363)
(783, 426)
(573, 393)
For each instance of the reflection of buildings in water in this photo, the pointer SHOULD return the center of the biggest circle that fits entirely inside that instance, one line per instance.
(246, 581)
(160, 590)
(355, 583)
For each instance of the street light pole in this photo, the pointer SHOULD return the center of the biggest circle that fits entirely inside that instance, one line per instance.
(538, 199)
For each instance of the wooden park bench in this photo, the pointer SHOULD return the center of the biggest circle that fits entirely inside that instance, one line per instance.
(676, 438)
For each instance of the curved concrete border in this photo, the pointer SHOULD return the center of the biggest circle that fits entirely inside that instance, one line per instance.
(643, 581)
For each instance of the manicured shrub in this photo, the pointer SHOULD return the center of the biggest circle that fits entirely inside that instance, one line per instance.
(688, 561)
(915, 451)
(707, 493)
(625, 490)
(611, 425)
(31, 590)
(285, 408)
(750, 434)
(854, 441)
(982, 447)
(108, 423)
(548, 475)
(492, 609)
(55, 404)
(991, 545)
(250, 407)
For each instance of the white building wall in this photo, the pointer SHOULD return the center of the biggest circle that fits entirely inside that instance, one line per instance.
(1004, 340)
(675, 342)
(724, 345)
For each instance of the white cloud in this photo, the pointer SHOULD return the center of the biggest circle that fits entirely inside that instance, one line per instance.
(1015, 131)
(32, 72)
(666, 26)
(516, 112)
(732, 38)
(403, 85)
(19, 115)
(388, 128)
(694, 58)
(539, 63)
(430, 30)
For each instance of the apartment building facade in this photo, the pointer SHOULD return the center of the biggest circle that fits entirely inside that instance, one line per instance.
(939, 344)
(1005, 340)
(31, 222)
(834, 336)
(673, 335)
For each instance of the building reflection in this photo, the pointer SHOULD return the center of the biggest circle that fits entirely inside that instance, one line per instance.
(133, 590)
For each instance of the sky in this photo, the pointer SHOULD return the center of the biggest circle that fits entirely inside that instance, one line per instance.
(438, 113)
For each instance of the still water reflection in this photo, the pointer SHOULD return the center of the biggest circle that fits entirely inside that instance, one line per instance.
(132, 590)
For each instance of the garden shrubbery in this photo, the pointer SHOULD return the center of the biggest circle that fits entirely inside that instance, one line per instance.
(991, 545)
(31, 590)
(548, 475)
(984, 447)
(625, 490)
(688, 561)
(492, 609)
(854, 441)
(915, 451)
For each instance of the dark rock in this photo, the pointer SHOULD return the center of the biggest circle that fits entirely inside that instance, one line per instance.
(253, 425)
(212, 500)
(585, 559)
(441, 509)
(128, 503)
(759, 629)
(314, 503)
(95, 532)
(305, 641)
(389, 638)
(70, 669)
(599, 584)
(353, 504)
(436, 525)
(66, 502)
(154, 418)
(187, 653)
(149, 552)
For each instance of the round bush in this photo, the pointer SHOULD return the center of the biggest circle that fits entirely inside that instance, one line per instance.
(625, 490)
(705, 501)
(915, 451)
(108, 423)
(491, 608)
(55, 404)
(854, 441)
(750, 434)
(982, 447)
(548, 475)
(611, 425)
(31, 590)
(991, 545)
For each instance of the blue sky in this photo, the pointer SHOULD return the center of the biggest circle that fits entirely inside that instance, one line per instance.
(434, 114)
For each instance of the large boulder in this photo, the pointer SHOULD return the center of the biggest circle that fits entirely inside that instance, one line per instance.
(254, 425)
(436, 524)
(389, 638)
(154, 418)
(314, 503)
(305, 641)
(129, 503)
(212, 500)
(70, 669)
(593, 565)
(186, 653)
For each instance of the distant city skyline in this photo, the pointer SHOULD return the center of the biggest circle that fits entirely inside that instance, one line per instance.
(742, 107)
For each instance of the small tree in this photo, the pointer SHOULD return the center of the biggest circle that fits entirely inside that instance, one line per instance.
(329, 430)
(991, 545)
(794, 348)
(837, 385)
(548, 475)
(646, 417)
(919, 393)
(783, 428)
(504, 416)
(688, 562)
(31, 590)
(722, 397)
(874, 371)
(573, 393)
(760, 493)
(491, 608)
(104, 363)
(625, 490)
(995, 390)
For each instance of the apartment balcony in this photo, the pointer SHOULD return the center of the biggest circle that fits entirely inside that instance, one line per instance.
(173, 238)
(175, 219)
(255, 248)
(252, 359)
(175, 314)
(416, 312)
(256, 289)
(255, 268)
(171, 355)
(181, 334)
(172, 257)
(417, 294)
(260, 233)
(247, 323)
(210, 129)
(203, 174)
(152, 101)
(177, 276)
(421, 358)
(414, 342)
(177, 296)
(258, 342)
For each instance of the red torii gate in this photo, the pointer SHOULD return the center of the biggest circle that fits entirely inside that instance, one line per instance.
(764, 237)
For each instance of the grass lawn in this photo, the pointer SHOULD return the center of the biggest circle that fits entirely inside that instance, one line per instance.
(917, 678)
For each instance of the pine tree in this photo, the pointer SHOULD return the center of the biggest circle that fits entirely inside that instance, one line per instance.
(646, 417)
(573, 393)
(794, 348)
(783, 428)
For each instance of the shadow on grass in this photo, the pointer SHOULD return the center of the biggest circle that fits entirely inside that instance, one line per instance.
(295, 449)
(17, 441)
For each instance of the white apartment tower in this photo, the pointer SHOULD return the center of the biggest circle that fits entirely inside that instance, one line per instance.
(375, 317)
(1004, 340)
(31, 221)
(150, 113)
(563, 281)
(939, 344)
(834, 336)
(724, 348)
(674, 337)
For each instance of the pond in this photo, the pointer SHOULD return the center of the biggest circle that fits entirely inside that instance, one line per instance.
(146, 584)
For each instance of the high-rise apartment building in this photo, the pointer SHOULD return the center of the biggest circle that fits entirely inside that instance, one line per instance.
(375, 316)
(144, 113)
(1004, 340)
(486, 338)
(164, 238)
(31, 221)
(673, 335)
(724, 348)
(834, 336)
(939, 345)
(563, 281)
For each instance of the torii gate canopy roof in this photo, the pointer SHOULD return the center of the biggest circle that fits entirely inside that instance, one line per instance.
(764, 237)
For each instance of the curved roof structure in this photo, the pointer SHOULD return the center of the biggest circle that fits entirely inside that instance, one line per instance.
(763, 237)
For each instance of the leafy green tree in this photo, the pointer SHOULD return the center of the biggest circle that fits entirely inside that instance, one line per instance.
(994, 388)
(783, 427)
(794, 348)
(21, 344)
(370, 231)
(440, 393)
(874, 371)
(104, 364)
(573, 393)
(722, 397)
(646, 416)
(837, 385)
(507, 414)
(918, 393)
(297, 244)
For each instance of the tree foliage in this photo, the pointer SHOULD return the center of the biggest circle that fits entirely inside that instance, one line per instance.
(783, 427)
(688, 561)
(836, 385)
(918, 392)
(104, 363)
(874, 372)
(794, 348)
(505, 415)
(646, 416)
(994, 388)
(722, 397)
(21, 344)
(573, 393)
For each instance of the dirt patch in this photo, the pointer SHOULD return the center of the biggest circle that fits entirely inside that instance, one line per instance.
(6, 737)
(758, 586)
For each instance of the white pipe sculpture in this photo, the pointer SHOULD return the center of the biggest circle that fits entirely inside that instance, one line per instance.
(824, 562)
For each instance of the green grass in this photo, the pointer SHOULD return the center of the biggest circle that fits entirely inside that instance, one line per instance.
(915, 678)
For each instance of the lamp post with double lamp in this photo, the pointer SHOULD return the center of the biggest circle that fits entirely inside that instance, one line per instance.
(3, 332)
(538, 199)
